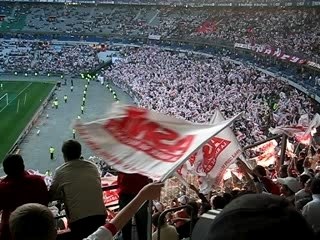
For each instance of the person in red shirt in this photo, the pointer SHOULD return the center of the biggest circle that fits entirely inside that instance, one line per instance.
(129, 186)
(18, 188)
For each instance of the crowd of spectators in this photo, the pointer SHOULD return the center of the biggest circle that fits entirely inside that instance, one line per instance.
(71, 184)
(43, 57)
(295, 30)
(186, 86)
(292, 199)
(291, 30)
(192, 87)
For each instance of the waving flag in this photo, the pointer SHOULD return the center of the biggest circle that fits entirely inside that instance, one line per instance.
(135, 140)
(219, 153)
(212, 160)
(302, 132)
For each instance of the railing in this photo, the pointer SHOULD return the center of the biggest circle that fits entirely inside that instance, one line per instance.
(66, 233)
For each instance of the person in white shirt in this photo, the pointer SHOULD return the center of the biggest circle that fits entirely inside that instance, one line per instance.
(77, 183)
(311, 211)
(36, 222)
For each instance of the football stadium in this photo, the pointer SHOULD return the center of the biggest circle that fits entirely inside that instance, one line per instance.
(159, 119)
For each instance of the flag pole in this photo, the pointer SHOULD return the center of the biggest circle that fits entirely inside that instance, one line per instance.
(283, 148)
(181, 179)
(149, 226)
(261, 142)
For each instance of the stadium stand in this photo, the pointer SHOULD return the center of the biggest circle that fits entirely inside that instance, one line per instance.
(294, 30)
(184, 59)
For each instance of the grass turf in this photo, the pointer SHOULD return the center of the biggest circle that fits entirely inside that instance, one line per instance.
(13, 118)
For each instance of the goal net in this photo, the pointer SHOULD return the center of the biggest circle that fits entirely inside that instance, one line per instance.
(4, 101)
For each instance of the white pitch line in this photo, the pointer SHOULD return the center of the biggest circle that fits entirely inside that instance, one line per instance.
(17, 96)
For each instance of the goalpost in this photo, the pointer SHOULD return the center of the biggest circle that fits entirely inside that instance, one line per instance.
(4, 101)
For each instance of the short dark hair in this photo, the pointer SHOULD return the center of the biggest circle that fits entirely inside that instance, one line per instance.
(194, 209)
(304, 178)
(218, 202)
(261, 170)
(227, 197)
(71, 150)
(13, 165)
(315, 186)
(32, 221)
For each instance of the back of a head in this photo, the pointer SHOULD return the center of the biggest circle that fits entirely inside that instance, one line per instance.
(227, 197)
(304, 178)
(218, 202)
(261, 170)
(259, 216)
(315, 186)
(13, 165)
(71, 150)
(193, 210)
(32, 221)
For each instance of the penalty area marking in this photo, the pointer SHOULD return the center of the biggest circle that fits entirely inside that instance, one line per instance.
(17, 96)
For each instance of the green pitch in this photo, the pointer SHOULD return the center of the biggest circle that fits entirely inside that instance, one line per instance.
(24, 99)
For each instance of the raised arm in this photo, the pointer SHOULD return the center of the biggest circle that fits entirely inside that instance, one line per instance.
(149, 192)
(200, 195)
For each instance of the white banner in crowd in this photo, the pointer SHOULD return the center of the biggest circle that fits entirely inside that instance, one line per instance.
(212, 161)
(302, 132)
(267, 154)
(135, 140)
(315, 122)
(290, 131)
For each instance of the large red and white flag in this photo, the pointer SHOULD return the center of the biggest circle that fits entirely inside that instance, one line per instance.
(212, 161)
(135, 140)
